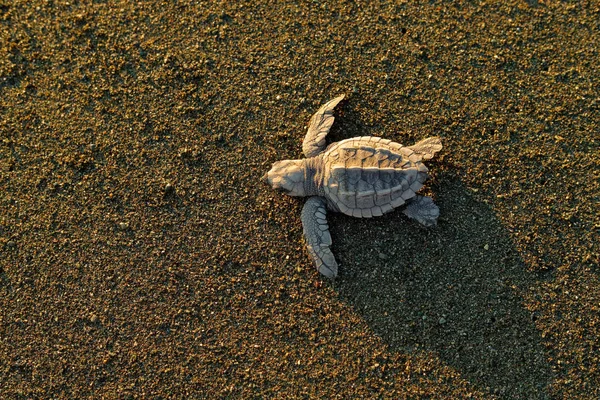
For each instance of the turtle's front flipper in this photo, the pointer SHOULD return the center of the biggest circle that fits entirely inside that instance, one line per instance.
(320, 123)
(316, 234)
(424, 210)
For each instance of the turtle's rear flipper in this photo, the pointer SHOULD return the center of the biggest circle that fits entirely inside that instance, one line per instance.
(316, 234)
(427, 148)
(423, 210)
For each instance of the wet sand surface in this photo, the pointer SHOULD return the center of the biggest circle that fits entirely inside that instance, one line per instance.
(141, 256)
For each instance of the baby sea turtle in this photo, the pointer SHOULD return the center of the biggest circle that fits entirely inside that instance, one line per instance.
(363, 177)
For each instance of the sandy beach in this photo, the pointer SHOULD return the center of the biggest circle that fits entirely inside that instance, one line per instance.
(142, 257)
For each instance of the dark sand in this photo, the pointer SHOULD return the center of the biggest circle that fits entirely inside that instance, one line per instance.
(115, 285)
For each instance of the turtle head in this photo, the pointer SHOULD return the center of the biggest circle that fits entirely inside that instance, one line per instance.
(288, 177)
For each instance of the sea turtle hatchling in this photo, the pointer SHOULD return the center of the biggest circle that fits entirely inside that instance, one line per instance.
(363, 177)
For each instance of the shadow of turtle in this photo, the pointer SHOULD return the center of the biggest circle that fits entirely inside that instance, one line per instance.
(452, 290)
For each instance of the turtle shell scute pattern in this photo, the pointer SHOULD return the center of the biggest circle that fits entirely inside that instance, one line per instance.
(368, 176)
